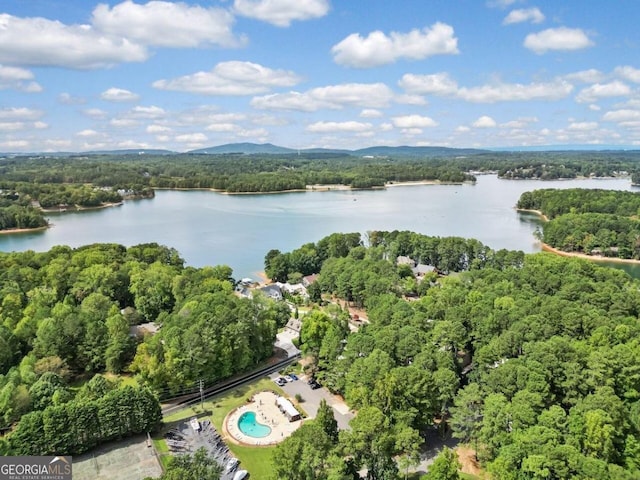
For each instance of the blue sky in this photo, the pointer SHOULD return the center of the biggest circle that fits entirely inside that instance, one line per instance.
(82, 75)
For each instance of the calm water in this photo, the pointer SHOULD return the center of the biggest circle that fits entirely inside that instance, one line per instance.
(209, 228)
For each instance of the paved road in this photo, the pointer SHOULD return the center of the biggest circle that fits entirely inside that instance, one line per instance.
(312, 400)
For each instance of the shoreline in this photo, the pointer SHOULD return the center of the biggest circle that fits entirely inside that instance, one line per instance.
(77, 208)
(595, 258)
(24, 230)
(537, 212)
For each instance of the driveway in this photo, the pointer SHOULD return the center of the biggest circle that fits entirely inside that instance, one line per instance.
(284, 340)
(311, 400)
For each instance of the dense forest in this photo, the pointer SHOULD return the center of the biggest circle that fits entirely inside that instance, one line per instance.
(66, 318)
(594, 222)
(533, 359)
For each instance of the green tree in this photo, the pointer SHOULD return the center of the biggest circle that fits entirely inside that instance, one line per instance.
(445, 466)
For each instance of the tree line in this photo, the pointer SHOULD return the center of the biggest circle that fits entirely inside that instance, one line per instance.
(594, 222)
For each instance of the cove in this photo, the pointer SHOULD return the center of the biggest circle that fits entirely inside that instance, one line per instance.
(209, 228)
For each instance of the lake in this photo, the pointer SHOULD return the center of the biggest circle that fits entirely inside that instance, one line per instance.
(209, 228)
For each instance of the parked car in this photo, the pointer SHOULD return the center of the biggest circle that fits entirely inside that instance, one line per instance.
(293, 376)
(280, 381)
(288, 378)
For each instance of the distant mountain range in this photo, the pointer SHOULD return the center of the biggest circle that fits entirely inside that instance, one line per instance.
(381, 151)
(404, 151)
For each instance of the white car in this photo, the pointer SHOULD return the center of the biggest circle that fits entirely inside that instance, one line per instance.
(288, 378)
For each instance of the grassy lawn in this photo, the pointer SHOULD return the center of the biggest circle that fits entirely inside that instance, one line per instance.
(163, 450)
(468, 476)
(256, 460)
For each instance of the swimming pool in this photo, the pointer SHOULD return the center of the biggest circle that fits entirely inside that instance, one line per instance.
(248, 425)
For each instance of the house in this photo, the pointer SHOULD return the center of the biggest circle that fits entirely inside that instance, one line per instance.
(309, 280)
(421, 270)
(272, 291)
(287, 408)
(402, 260)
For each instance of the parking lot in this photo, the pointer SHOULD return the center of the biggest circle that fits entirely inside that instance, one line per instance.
(311, 400)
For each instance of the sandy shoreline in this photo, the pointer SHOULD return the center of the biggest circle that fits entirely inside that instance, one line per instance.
(537, 212)
(595, 258)
(24, 230)
(77, 208)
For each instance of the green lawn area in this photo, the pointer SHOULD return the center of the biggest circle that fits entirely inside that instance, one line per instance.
(468, 476)
(256, 460)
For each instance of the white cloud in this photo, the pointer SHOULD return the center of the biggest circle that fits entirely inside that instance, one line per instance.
(231, 78)
(40, 125)
(628, 73)
(519, 123)
(257, 133)
(124, 122)
(95, 113)
(500, 3)
(222, 127)
(20, 113)
(371, 95)
(583, 126)
(191, 138)
(14, 144)
(622, 115)
(158, 129)
(484, 122)
(385, 127)
(281, 12)
(413, 121)
(595, 108)
(57, 143)
(462, 129)
(167, 24)
(370, 113)
(435, 84)
(68, 99)
(150, 112)
(533, 15)
(87, 133)
(326, 127)
(119, 95)
(18, 79)
(379, 49)
(561, 38)
(585, 76)
(603, 90)
(516, 92)
(11, 126)
(42, 42)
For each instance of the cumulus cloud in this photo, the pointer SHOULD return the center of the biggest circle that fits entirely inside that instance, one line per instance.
(434, 84)
(519, 123)
(622, 115)
(67, 99)
(413, 121)
(484, 122)
(561, 38)
(191, 138)
(158, 129)
(281, 12)
(603, 90)
(16, 78)
(95, 113)
(380, 49)
(585, 76)
(20, 113)
(231, 78)
(513, 92)
(42, 42)
(583, 126)
(628, 73)
(326, 127)
(150, 112)
(167, 24)
(119, 95)
(370, 113)
(371, 95)
(533, 15)
(87, 133)
(124, 122)
(11, 126)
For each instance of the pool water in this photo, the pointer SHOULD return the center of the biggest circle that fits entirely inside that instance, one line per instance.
(248, 425)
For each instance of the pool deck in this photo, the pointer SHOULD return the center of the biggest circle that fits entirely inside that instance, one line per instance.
(267, 413)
